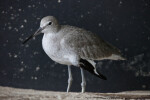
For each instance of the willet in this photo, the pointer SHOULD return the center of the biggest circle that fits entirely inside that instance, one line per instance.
(71, 45)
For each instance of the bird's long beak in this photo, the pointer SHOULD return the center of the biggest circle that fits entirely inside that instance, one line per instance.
(33, 35)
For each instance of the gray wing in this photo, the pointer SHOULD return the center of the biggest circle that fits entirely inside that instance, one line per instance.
(88, 45)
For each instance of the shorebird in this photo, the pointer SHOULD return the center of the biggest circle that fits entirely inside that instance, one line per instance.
(70, 45)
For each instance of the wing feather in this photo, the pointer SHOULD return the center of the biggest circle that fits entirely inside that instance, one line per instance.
(88, 45)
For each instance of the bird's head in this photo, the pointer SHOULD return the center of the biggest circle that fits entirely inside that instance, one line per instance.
(48, 24)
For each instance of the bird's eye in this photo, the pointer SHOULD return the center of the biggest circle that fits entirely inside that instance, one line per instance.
(49, 23)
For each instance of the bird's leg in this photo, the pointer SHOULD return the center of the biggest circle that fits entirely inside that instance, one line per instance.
(83, 84)
(70, 78)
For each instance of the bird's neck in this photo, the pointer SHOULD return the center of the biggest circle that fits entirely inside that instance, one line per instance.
(51, 37)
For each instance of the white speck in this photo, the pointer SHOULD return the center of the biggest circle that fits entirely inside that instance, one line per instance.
(22, 26)
(4, 73)
(35, 53)
(117, 39)
(25, 66)
(59, 1)
(82, 16)
(137, 74)
(35, 78)
(26, 45)
(100, 24)
(45, 5)
(79, 1)
(144, 86)
(25, 20)
(38, 18)
(88, 12)
(32, 77)
(8, 23)
(21, 69)
(120, 2)
(64, 70)
(21, 39)
(29, 6)
(16, 29)
(10, 55)
(33, 6)
(37, 68)
(12, 18)
(126, 49)
(15, 56)
(9, 27)
(34, 38)
(3, 12)
(19, 9)
(21, 62)
(11, 7)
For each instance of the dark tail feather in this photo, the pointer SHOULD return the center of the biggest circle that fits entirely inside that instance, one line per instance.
(89, 67)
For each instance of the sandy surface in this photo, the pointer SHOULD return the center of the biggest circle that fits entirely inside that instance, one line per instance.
(8, 93)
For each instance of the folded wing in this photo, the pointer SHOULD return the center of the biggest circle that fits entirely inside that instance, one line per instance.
(89, 46)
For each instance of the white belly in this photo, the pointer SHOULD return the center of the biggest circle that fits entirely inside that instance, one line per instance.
(52, 48)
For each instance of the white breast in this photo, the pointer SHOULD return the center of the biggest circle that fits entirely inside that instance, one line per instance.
(51, 46)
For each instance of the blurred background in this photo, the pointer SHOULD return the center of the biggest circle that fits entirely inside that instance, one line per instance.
(125, 24)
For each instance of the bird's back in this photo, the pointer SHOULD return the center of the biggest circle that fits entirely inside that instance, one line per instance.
(87, 44)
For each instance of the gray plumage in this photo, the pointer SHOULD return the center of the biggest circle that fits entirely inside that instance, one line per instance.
(71, 45)
(87, 44)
